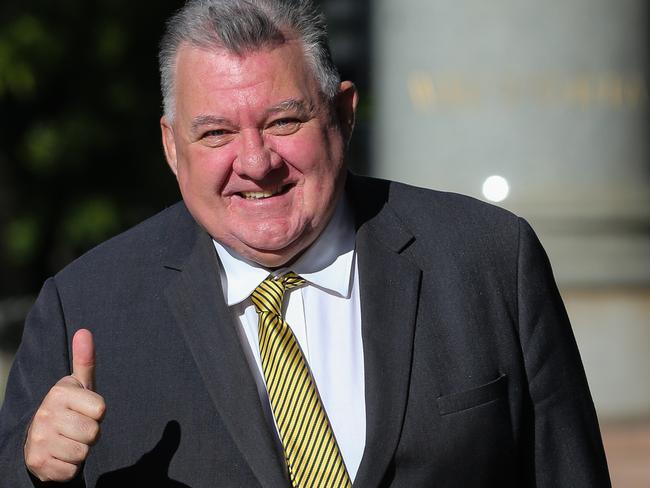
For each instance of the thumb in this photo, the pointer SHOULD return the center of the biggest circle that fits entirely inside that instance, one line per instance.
(83, 358)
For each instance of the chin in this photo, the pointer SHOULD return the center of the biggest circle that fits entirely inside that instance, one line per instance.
(274, 256)
(268, 259)
(272, 260)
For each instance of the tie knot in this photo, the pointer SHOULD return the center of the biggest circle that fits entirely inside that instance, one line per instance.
(268, 295)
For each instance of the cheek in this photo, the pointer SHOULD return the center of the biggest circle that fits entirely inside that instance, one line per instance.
(203, 169)
(313, 152)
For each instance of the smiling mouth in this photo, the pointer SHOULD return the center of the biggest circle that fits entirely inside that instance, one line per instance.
(260, 195)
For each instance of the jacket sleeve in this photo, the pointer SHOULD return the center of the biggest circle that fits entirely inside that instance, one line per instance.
(42, 360)
(565, 444)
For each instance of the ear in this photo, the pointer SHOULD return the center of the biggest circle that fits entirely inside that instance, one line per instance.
(346, 107)
(169, 144)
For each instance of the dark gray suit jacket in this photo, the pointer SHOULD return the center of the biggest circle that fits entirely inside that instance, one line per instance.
(473, 377)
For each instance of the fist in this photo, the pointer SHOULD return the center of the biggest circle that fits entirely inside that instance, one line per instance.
(67, 422)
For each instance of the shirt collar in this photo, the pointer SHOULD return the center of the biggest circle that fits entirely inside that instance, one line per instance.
(327, 263)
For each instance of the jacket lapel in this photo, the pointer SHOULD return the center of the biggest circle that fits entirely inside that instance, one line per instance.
(389, 285)
(195, 297)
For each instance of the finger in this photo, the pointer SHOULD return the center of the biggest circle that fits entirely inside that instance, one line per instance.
(44, 466)
(78, 427)
(83, 358)
(68, 394)
(69, 451)
(54, 470)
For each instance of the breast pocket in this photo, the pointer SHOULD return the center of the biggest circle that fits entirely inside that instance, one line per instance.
(475, 397)
(463, 438)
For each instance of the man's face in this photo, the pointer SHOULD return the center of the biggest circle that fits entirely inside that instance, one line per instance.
(258, 154)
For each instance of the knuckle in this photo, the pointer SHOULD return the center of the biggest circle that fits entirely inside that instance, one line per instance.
(99, 409)
(40, 465)
(92, 430)
(35, 461)
(43, 477)
(88, 427)
(66, 472)
(80, 451)
(42, 414)
(57, 393)
(37, 436)
(43, 419)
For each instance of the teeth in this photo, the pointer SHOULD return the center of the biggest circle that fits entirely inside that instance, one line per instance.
(255, 195)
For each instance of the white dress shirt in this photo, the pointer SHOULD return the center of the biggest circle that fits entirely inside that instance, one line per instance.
(325, 316)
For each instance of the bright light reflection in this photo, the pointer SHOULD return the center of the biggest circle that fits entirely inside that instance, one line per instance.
(496, 188)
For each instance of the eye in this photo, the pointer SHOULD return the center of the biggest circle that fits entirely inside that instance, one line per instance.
(284, 127)
(215, 133)
(216, 137)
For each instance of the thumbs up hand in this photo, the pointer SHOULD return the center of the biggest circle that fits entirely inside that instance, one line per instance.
(67, 422)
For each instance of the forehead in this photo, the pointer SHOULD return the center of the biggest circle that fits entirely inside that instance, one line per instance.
(267, 75)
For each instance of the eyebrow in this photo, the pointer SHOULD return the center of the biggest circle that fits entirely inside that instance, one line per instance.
(202, 120)
(292, 104)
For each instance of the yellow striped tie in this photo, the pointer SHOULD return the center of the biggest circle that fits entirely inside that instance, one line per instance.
(310, 448)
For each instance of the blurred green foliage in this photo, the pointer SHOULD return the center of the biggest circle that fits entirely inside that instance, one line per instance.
(80, 152)
(22, 239)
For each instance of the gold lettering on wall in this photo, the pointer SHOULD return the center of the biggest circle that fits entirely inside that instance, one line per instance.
(582, 91)
(635, 91)
(577, 91)
(420, 86)
(610, 91)
(449, 91)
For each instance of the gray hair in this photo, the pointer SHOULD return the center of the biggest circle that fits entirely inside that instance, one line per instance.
(243, 25)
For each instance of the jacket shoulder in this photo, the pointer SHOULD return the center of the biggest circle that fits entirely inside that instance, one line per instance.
(136, 247)
(457, 210)
(461, 230)
(422, 210)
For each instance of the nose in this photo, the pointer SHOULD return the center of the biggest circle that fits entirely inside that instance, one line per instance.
(254, 159)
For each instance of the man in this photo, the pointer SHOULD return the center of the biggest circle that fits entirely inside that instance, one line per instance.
(405, 337)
